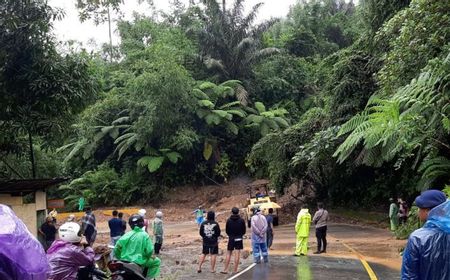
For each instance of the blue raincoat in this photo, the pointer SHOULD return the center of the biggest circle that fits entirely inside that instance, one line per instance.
(427, 254)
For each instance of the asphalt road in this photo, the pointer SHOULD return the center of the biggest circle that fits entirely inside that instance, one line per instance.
(315, 267)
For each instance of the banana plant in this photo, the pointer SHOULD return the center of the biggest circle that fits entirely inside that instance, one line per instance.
(266, 120)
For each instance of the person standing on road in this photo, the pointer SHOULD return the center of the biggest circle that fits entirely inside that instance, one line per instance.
(115, 228)
(158, 231)
(210, 232)
(81, 202)
(320, 220)
(199, 215)
(142, 213)
(402, 211)
(393, 214)
(427, 253)
(88, 226)
(235, 229)
(48, 231)
(124, 223)
(302, 231)
(269, 219)
(259, 232)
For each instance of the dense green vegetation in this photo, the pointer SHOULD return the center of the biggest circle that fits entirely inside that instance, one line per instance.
(352, 101)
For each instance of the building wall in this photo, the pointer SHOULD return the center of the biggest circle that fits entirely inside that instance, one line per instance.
(26, 212)
(41, 200)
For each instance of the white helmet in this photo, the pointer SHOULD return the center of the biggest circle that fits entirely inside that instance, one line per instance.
(142, 212)
(69, 232)
(159, 214)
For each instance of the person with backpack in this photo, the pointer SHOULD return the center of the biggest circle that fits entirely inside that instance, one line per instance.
(259, 232)
(210, 232)
(235, 229)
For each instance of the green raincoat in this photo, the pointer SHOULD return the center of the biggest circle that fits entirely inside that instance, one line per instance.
(137, 247)
(393, 216)
(302, 231)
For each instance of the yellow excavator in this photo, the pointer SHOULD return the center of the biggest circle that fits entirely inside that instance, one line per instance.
(259, 196)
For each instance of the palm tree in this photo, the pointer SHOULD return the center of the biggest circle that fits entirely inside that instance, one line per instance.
(229, 42)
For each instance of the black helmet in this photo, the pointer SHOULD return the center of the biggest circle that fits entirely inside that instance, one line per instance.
(136, 220)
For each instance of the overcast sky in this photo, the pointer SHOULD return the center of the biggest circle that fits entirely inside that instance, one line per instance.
(70, 28)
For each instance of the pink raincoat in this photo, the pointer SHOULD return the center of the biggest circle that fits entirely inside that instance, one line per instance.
(22, 257)
(66, 258)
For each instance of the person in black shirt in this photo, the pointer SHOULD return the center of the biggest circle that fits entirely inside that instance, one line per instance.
(115, 227)
(235, 229)
(48, 230)
(210, 232)
(124, 223)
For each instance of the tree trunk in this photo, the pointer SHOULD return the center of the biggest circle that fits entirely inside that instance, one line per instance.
(223, 6)
(110, 36)
(33, 166)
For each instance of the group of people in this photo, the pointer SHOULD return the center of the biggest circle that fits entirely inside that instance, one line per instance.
(66, 254)
(302, 227)
(235, 228)
(398, 213)
(49, 228)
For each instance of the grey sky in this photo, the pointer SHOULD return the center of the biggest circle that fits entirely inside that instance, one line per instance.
(70, 28)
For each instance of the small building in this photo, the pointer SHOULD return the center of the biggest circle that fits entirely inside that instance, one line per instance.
(28, 199)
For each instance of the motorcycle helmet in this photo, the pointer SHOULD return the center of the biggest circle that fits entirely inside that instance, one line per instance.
(159, 214)
(142, 212)
(136, 220)
(69, 232)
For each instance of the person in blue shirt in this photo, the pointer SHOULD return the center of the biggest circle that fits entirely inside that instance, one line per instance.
(427, 253)
(115, 227)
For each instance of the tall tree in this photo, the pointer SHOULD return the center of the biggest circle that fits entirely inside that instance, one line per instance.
(230, 42)
(100, 12)
(40, 90)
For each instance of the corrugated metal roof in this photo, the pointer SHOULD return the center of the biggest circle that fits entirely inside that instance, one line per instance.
(26, 186)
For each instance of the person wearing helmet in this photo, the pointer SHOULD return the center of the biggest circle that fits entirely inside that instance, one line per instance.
(136, 246)
(66, 255)
(142, 213)
(157, 226)
(427, 253)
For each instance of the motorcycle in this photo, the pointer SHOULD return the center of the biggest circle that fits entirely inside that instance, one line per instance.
(121, 270)
(91, 273)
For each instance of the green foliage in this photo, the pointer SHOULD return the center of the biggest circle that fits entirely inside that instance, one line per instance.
(229, 42)
(315, 27)
(266, 121)
(405, 125)
(413, 223)
(154, 162)
(414, 35)
(222, 169)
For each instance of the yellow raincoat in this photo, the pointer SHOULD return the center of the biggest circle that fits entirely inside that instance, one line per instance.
(302, 230)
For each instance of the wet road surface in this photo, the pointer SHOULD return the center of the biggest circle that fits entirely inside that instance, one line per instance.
(315, 267)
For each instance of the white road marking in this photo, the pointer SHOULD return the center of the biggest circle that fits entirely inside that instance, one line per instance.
(242, 272)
